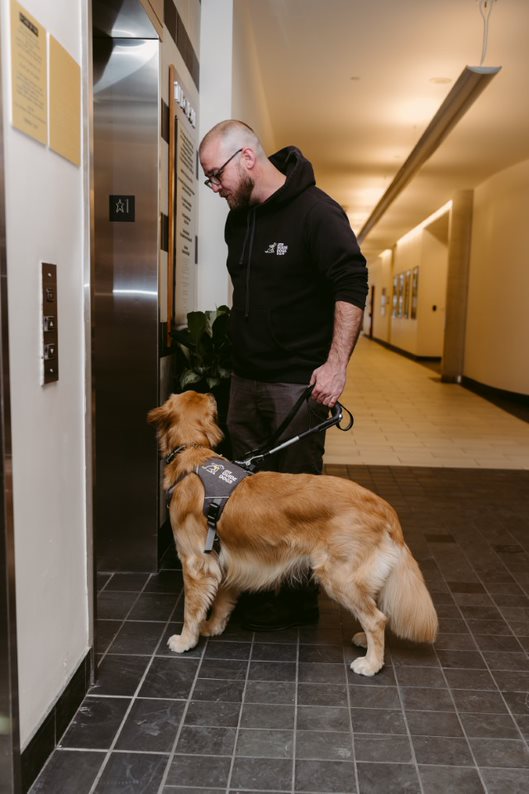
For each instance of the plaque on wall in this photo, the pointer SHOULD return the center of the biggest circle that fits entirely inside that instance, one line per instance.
(182, 222)
(29, 67)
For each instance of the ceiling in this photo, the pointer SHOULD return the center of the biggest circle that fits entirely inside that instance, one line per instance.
(354, 83)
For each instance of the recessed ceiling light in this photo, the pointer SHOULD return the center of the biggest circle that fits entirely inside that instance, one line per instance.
(440, 80)
(355, 77)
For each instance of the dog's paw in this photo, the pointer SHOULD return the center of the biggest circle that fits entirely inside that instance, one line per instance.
(362, 667)
(178, 644)
(360, 639)
(211, 628)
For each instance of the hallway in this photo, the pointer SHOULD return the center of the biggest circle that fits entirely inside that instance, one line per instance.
(283, 712)
(405, 416)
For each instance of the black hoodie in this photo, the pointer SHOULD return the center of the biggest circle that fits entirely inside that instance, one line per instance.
(290, 259)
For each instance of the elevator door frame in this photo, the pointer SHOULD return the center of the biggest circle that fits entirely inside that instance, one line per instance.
(125, 317)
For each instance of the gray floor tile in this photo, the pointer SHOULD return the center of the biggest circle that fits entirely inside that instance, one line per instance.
(151, 726)
(386, 749)
(265, 743)
(322, 777)
(132, 772)
(442, 750)
(67, 771)
(453, 780)
(262, 773)
(328, 745)
(199, 770)
(197, 740)
(388, 778)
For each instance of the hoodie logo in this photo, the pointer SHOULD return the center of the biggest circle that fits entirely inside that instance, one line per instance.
(277, 248)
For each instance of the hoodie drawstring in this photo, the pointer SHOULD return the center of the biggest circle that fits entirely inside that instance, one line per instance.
(248, 238)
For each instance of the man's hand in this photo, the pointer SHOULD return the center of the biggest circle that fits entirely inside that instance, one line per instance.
(329, 383)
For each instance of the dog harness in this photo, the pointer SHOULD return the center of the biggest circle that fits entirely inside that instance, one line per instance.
(219, 477)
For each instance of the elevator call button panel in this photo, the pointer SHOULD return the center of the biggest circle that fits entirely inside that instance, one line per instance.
(49, 324)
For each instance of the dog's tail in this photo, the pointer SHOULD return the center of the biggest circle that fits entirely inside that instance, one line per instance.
(406, 602)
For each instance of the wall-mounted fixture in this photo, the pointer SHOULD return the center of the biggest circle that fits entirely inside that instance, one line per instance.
(465, 91)
(462, 96)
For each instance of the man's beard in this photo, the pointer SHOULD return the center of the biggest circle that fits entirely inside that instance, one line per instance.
(240, 198)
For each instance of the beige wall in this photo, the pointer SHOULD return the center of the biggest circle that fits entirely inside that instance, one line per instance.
(407, 256)
(497, 333)
(422, 336)
(432, 293)
(379, 271)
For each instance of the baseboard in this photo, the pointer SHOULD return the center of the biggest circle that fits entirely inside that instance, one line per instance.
(45, 740)
(511, 401)
(403, 352)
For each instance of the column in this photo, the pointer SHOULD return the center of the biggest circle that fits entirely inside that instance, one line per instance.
(459, 241)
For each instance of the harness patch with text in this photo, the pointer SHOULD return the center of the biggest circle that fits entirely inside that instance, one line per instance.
(219, 478)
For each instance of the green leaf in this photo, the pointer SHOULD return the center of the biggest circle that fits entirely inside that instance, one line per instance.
(188, 376)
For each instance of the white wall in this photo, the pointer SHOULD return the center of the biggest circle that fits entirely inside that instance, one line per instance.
(249, 100)
(216, 39)
(498, 317)
(45, 221)
(230, 87)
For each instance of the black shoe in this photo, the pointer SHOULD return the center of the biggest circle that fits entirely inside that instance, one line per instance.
(274, 615)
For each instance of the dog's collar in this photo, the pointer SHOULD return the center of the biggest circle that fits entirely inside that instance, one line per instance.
(172, 455)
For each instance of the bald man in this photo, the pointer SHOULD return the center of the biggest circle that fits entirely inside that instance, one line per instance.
(299, 290)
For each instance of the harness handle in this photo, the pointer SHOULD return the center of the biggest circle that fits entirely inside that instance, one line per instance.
(263, 452)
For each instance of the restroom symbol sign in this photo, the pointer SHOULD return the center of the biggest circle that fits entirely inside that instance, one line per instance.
(122, 208)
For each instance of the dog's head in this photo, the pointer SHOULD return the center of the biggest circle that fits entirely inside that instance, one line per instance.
(187, 418)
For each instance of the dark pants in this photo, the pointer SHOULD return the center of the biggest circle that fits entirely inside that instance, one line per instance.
(256, 410)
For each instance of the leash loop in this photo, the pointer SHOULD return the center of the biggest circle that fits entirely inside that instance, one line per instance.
(256, 455)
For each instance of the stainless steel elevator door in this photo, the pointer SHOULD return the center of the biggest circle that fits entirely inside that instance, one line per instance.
(125, 322)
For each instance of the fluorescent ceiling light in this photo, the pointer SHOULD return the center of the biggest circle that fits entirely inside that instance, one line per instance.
(464, 92)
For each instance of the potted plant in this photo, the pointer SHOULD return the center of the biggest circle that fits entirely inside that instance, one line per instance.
(203, 357)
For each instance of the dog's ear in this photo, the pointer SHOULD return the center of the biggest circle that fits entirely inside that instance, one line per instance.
(158, 416)
(213, 431)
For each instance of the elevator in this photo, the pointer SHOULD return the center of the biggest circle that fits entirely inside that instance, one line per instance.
(125, 322)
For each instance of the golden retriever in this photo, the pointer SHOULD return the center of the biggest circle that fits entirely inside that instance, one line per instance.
(276, 525)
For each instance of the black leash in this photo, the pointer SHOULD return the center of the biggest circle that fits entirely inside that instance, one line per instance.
(265, 450)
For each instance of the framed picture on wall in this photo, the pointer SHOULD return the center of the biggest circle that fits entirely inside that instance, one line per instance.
(407, 294)
(383, 302)
(414, 292)
(400, 307)
(394, 297)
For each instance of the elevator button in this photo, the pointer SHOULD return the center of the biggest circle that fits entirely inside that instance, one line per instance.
(48, 323)
(49, 351)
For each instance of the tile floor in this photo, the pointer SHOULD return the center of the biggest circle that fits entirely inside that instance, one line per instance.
(405, 416)
(282, 712)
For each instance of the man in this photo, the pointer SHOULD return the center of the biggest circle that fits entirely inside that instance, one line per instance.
(299, 290)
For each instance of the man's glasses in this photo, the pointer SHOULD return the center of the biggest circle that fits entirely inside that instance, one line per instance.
(215, 179)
